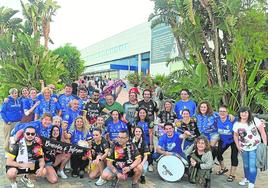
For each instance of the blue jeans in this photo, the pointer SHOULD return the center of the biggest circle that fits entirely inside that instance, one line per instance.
(249, 163)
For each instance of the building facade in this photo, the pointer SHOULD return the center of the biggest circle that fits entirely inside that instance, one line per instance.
(139, 49)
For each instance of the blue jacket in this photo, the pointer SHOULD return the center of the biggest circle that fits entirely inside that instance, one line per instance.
(12, 110)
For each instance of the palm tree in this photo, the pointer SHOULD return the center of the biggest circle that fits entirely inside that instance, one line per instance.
(39, 14)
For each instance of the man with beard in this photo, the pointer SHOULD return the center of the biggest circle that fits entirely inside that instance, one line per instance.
(149, 104)
(65, 98)
(93, 108)
(130, 110)
(123, 160)
(26, 156)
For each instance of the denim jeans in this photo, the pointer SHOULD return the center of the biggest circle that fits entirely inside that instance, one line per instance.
(249, 163)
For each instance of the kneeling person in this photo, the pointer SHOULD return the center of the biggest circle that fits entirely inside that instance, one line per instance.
(26, 156)
(123, 160)
(169, 143)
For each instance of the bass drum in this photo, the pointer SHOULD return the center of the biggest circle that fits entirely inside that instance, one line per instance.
(170, 168)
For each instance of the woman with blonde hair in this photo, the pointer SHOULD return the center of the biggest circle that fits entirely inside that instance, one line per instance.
(78, 132)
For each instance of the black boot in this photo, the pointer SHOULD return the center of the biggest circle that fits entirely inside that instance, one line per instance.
(207, 184)
(143, 181)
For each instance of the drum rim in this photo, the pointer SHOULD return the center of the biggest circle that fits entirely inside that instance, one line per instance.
(177, 157)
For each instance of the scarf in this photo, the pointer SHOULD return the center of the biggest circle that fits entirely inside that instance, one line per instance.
(140, 142)
(23, 153)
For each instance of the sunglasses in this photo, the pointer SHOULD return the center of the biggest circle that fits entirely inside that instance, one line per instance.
(28, 134)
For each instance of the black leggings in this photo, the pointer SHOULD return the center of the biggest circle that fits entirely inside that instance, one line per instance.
(77, 163)
(234, 152)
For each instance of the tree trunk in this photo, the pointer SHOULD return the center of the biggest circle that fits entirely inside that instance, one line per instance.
(242, 80)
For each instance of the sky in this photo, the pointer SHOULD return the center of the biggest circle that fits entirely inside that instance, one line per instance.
(86, 22)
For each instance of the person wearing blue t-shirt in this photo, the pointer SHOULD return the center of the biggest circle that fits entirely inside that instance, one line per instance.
(185, 103)
(82, 98)
(29, 105)
(225, 129)
(147, 126)
(169, 143)
(47, 105)
(65, 98)
(78, 132)
(71, 113)
(42, 127)
(115, 125)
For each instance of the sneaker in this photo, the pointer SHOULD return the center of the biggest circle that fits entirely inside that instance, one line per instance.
(100, 182)
(250, 185)
(150, 168)
(27, 182)
(243, 181)
(81, 173)
(13, 185)
(62, 174)
(143, 181)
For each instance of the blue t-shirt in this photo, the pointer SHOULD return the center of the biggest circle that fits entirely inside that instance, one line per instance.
(78, 135)
(172, 144)
(145, 127)
(65, 100)
(114, 128)
(50, 106)
(206, 123)
(70, 116)
(27, 104)
(39, 129)
(225, 129)
(180, 105)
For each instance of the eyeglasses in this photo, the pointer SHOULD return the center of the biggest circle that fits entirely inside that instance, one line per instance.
(28, 134)
(221, 111)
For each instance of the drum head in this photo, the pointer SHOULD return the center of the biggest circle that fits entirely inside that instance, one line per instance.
(170, 168)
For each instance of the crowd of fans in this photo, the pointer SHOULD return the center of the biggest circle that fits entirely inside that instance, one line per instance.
(121, 139)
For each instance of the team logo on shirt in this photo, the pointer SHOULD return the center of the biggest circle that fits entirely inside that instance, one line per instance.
(118, 152)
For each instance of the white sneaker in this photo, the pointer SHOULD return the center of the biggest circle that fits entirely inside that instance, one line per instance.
(100, 182)
(62, 174)
(27, 182)
(150, 168)
(250, 185)
(243, 181)
(13, 185)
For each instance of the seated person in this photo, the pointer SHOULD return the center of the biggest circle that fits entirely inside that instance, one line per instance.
(201, 162)
(169, 143)
(99, 152)
(79, 133)
(19, 162)
(143, 148)
(123, 160)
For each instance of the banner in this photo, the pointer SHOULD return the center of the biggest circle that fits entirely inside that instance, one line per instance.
(113, 87)
(62, 147)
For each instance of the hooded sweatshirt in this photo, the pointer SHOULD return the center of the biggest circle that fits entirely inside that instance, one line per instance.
(12, 110)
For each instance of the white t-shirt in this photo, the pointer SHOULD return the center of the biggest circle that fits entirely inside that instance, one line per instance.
(249, 136)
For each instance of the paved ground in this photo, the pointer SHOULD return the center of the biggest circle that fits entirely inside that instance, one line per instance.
(153, 179)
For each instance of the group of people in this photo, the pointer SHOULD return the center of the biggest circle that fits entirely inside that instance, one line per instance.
(121, 139)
